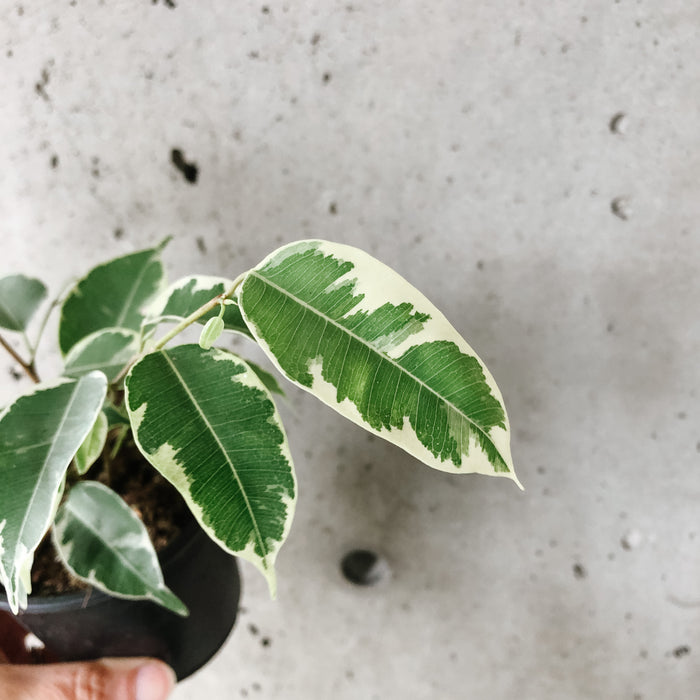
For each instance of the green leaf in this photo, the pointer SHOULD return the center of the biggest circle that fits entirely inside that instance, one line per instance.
(188, 294)
(350, 330)
(20, 297)
(107, 350)
(102, 541)
(208, 424)
(267, 378)
(92, 446)
(39, 435)
(111, 296)
(116, 415)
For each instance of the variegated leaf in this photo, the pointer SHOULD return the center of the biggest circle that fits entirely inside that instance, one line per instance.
(116, 415)
(209, 425)
(188, 294)
(267, 378)
(111, 295)
(20, 297)
(102, 541)
(39, 434)
(350, 330)
(92, 446)
(108, 350)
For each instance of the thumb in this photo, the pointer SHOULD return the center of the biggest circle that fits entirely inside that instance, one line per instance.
(106, 679)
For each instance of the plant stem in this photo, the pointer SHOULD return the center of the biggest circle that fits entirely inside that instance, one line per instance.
(194, 316)
(182, 325)
(28, 367)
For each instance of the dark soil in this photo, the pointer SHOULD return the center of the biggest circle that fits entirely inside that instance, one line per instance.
(150, 496)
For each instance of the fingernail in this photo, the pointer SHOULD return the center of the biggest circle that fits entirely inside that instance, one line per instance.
(154, 681)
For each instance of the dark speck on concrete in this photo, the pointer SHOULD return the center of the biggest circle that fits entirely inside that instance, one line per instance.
(327, 77)
(333, 208)
(265, 10)
(618, 123)
(315, 39)
(118, 233)
(54, 161)
(168, 3)
(265, 641)
(620, 207)
(253, 629)
(580, 571)
(201, 245)
(40, 86)
(190, 171)
(479, 264)
(681, 651)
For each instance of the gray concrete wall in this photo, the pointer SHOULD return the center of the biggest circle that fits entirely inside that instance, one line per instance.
(534, 168)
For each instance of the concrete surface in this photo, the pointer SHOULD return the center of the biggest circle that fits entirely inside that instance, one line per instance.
(533, 168)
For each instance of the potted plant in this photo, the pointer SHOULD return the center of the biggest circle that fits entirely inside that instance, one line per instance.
(332, 319)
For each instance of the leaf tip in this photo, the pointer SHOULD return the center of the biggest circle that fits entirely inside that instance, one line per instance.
(173, 603)
(271, 578)
(160, 246)
(516, 480)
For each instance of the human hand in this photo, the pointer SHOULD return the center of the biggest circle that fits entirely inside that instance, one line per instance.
(105, 679)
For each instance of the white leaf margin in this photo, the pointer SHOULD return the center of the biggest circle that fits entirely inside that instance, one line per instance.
(388, 286)
(18, 599)
(159, 595)
(168, 466)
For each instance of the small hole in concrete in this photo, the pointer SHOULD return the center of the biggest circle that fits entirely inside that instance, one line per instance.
(618, 123)
(620, 206)
(364, 567)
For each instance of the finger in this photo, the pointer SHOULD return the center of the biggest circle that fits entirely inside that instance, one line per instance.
(107, 679)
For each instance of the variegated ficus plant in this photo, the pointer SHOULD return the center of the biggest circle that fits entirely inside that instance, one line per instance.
(332, 319)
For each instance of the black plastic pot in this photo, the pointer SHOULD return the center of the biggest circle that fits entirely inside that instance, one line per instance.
(91, 625)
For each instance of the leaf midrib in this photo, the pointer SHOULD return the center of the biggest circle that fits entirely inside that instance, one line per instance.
(132, 293)
(258, 534)
(371, 348)
(42, 471)
(125, 561)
